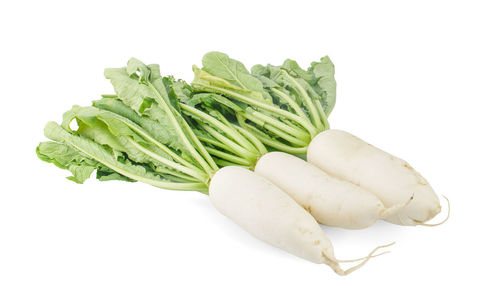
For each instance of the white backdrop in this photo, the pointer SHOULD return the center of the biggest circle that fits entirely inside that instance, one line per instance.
(419, 79)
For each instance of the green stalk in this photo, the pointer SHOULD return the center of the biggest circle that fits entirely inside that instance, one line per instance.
(201, 148)
(217, 124)
(324, 119)
(161, 146)
(180, 177)
(180, 132)
(224, 163)
(281, 147)
(228, 157)
(273, 143)
(216, 143)
(292, 139)
(240, 151)
(298, 110)
(174, 176)
(159, 184)
(257, 143)
(249, 143)
(269, 107)
(194, 173)
(280, 125)
(310, 105)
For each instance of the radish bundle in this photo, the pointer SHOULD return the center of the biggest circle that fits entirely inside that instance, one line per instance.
(331, 201)
(143, 133)
(258, 127)
(271, 215)
(351, 159)
(286, 108)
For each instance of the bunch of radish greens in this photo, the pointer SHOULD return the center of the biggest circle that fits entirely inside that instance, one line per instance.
(242, 138)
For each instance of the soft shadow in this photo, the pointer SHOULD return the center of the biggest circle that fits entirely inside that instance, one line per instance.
(237, 235)
(347, 242)
(379, 231)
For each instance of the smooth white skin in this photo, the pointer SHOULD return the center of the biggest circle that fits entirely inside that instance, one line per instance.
(269, 214)
(330, 200)
(391, 179)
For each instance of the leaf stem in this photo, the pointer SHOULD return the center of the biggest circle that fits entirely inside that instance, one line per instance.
(306, 124)
(217, 124)
(203, 177)
(311, 107)
(239, 150)
(322, 114)
(169, 111)
(290, 138)
(153, 182)
(201, 148)
(257, 143)
(280, 125)
(291, 102)
(161, 146)
(229, 157)
(273, 143)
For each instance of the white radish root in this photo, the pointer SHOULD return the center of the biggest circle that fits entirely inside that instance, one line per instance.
(269, 214)
(330, 201)
(391, 179)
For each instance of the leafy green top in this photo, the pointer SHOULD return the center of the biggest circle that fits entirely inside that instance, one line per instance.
(138, 134)
(283, 106)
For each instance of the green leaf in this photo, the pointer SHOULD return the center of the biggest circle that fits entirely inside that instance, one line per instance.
(178, 90)
(138, 96)
(325, 84)
(67, 158)
(220, 71)
(270, 76)
(141, 88)
(105, 174)
(204, 78)
(103, 157)
(273, 106)
(318, 80)
(163, 133)
(211, 101)
(293, 68)
(220, 65)
(146, 91)
(122, 135)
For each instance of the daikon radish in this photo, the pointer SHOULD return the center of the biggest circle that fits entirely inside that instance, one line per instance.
(330, 201)
(269, 214)
(391, 179)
